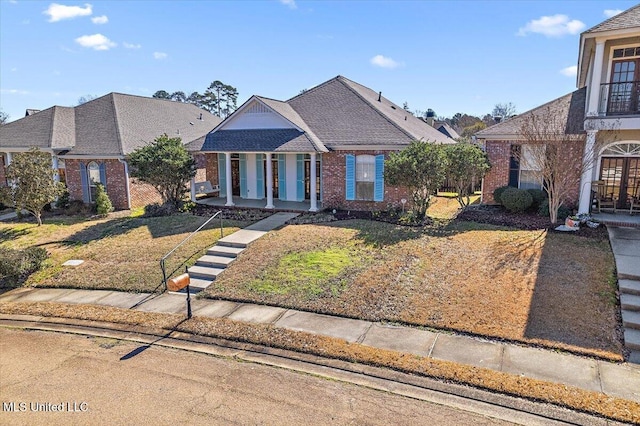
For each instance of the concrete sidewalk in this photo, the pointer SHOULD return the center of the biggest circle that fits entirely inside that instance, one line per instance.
(619, 380)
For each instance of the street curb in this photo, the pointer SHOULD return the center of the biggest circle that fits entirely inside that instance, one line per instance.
(459, 396)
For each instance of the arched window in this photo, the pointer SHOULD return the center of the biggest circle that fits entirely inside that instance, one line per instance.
(93, 178)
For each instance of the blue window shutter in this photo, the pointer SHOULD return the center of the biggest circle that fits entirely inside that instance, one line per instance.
(260, 175)
(350, 177)
(243, 175)
(282, 177)
(222, 175)
(378, 186)
(85, 182)
(103, 175)
(299, 177)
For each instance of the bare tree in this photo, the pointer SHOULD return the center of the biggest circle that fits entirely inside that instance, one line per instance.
(554, 149)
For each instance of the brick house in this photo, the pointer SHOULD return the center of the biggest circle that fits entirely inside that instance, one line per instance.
(604, 112)
(89, 142)
(324, 148)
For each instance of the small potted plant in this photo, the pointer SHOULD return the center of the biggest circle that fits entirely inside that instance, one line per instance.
(572, 222)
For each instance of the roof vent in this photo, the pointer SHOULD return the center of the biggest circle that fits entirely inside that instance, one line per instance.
(200, 117)
(497, 118)
(178, 132)
(379, 96)
(405, 118)
(191, 122)
(393, 107)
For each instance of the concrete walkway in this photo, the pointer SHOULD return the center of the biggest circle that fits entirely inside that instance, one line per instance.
(8, 216)
(625, 243)
(619, 380)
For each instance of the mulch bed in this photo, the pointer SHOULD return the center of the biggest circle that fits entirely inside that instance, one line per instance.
(232, 213)
(496, 215)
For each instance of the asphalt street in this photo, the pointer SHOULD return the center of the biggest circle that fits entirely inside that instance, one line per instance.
(67, 379)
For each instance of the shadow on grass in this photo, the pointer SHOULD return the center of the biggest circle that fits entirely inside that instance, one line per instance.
(9, 234)
(574, 298)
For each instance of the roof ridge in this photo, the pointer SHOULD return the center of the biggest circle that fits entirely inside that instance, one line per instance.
(613, 18)
(393, 123)
(304, 92)
(116, 122)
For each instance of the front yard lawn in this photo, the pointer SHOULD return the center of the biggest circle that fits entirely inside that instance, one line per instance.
(118, 253)
(537, 287)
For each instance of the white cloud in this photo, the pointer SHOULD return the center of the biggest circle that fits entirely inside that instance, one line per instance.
(131, 45)
(291, 3)
(160, 55)
(384, 62)
(14, 69)
(99, 20)
(608, 13)
(552, 26)
(58, 12)
(571, 71)
(14, 92)
(96, 42)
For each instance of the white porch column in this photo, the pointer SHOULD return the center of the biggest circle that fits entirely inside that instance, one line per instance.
(269, 182)
(227, 159)
(596, 80)
(193, 189)
(313, 188)
(54, 162)
(589, 161)
(9, 158)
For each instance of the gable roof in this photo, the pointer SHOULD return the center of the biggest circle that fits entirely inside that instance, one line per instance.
(570, 108)
(343, 113)
(630, 18)
(111, 125)
(443, 127)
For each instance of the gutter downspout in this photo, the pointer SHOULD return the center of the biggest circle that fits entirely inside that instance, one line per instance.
(126, 182)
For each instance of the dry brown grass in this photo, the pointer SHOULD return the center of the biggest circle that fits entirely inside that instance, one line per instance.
(119, 253)
(268, 335)
(535, 287)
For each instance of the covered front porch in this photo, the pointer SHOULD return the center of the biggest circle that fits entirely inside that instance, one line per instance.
(240, 202)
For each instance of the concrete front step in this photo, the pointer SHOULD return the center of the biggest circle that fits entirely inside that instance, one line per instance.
(214, 261)
(631, 319)
(632, 339)
(629, 287)
(224, 251)
(630, 302)
(204, 272)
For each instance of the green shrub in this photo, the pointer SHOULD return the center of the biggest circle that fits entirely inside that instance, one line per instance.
(538, 196)
(563, 211)
(17, 264)
(103, 203)
(516, 200)
(63, 201)
(156, 210)
(497, 193)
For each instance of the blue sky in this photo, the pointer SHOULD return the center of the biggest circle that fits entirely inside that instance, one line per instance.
(451, 56)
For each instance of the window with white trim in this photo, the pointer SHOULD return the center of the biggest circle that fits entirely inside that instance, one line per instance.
(93, 177)
(530, 169)
(365, 177)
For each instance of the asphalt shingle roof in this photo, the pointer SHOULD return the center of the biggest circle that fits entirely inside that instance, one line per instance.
(48, 129)
(258, 140)
(112, 125)
(630, 18)
(342, 112)
(569, 107)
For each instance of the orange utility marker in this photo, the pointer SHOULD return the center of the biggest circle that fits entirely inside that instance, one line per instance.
(177, 284)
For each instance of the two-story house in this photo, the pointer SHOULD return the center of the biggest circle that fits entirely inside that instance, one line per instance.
(604, 114)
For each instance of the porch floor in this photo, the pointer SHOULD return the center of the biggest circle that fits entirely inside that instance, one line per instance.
(621, 218)
(296, 206)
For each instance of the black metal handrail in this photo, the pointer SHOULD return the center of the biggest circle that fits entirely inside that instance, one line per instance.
(164, 258)
(620, 98)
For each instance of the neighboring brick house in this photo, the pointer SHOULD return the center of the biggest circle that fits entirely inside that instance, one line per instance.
(605, 110)
(339, 132)
(89, 143)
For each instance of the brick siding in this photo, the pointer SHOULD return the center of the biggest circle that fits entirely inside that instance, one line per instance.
(3, 176)
(499, 153)
(211, 165)
(116, 180)
(333, 180)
